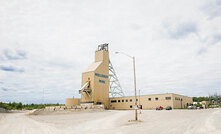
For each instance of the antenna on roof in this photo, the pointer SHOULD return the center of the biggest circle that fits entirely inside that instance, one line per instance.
(103, 47)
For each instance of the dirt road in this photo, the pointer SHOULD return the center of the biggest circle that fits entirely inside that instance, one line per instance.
(109, 122)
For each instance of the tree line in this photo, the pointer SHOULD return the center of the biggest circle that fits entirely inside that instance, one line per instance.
(210, 98)
(20, 106)
(214, 100)
(199, 99)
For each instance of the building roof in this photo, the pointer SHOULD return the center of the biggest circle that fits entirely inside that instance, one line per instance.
(93, 66)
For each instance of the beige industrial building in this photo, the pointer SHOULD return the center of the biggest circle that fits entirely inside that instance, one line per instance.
(151, 101)
(96, 83)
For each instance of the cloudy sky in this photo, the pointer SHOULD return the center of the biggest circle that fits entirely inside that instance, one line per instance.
(45, 45)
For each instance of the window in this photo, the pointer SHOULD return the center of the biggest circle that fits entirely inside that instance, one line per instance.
(118, 100)
(98, 103)
(156, 98)
(149, 99)
(126, 100)
(131, 106)
(113, 101)
(136, 99)
(176, 98)
(122, 100)
(168, 98)
(130, 100)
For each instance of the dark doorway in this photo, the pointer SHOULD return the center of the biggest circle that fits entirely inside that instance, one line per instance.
(99, 103)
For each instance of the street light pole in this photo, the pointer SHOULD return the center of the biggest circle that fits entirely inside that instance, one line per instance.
(135, 90)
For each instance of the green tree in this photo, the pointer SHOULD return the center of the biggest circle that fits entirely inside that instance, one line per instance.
(19, 106)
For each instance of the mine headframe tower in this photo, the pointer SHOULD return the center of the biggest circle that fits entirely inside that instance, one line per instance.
(99, 80)
(115, 89)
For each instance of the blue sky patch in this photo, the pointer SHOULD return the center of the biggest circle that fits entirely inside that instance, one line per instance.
(18, 55)
(4, 89)
(182, 30)
(10, 69)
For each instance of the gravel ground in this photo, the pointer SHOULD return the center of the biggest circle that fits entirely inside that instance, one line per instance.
(116, 121)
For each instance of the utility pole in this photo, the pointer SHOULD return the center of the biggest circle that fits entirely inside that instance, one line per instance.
(139, 102)
(135, 90)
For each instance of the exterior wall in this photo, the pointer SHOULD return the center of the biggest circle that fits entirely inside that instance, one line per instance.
(205, 104)
(163, 100)
(174, 102)
(180, 101)
(101, 83)
(72, 102)
(88, 76)
(99, 80)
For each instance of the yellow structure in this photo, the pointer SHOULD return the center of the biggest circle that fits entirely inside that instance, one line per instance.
(205, 104)
(72, 102)
(96, 77)
(151, 101)
(95, 89)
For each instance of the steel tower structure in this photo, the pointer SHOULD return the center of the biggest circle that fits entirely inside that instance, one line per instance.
(115, 89)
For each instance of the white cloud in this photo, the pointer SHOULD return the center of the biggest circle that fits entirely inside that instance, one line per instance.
(177, 46)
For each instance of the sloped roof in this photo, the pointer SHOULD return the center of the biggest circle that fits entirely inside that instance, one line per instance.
(93, 66)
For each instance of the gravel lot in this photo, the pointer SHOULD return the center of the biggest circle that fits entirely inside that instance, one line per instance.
(114, 122)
